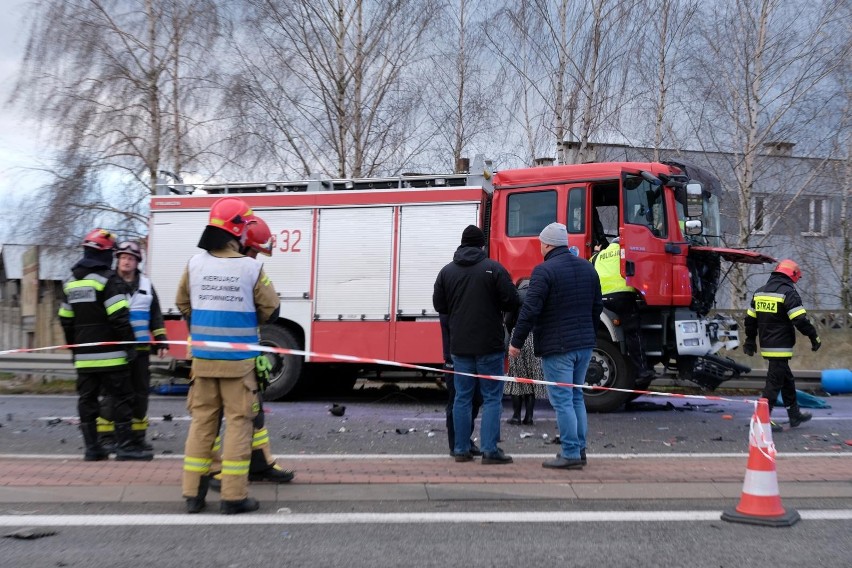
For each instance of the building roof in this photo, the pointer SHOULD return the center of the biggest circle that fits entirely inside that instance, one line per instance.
(54, 261)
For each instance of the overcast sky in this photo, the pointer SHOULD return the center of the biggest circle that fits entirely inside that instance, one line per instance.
(18, 144)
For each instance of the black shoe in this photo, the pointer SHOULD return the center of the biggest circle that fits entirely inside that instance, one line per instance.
(583, 456)
(275, 473)
(246, 505)
(563, 463)
(799, 419)
(465, 457)
(474, 450)
(514, 420)
(528, 421)
(775, 427)
(495, 458)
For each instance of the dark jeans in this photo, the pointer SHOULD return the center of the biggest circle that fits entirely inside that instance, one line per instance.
(779, 378)
(115, 384)
(451, 394)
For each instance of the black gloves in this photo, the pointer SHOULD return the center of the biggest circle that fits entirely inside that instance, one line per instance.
(815, 343)
(749, 347)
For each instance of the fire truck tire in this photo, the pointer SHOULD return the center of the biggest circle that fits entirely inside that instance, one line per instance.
(286, 369)
(610, 369)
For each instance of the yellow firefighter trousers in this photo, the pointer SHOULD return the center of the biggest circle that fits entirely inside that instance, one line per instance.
(207, 398)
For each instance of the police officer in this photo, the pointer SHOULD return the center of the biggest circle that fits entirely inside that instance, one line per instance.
(224, 295)
(774, 314)
(95, 309)
(620, 298)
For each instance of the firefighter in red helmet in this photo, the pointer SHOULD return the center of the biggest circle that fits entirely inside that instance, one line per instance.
(94, 310)
(263, 467)
(224, 295)
(775, 313)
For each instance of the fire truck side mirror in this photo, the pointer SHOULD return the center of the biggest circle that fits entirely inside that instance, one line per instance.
(692, 227)
(694, 201)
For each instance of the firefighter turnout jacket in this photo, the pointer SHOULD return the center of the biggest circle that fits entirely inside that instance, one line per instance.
(775, 313)
(95, 309)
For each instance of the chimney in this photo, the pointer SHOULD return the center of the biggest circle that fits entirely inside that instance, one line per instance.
(779, 148)
(542, 162)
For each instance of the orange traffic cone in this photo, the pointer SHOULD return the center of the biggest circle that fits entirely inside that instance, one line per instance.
(760, 503)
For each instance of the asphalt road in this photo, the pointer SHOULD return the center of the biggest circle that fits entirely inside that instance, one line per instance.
(387, 532)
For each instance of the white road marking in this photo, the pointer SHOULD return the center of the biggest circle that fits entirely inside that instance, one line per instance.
(513, 517)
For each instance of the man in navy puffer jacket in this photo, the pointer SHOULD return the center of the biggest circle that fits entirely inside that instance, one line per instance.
(562, 308)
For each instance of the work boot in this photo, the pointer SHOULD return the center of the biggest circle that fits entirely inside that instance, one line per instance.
(128, 449)
(94, 450)
(799, 418)
(775, 426)
(107, 441)
(198, 503)
(216, 481)
(246, 505)
(141, 442)
(274, 473)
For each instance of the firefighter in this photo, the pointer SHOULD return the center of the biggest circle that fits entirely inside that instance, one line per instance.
(95, 309)
(263, 467)
(620, 298)
(774, 314)
(224, 296)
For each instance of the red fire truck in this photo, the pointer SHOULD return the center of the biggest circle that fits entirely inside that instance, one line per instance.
(356, 261)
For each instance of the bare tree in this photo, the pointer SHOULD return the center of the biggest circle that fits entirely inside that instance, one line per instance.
(759, 71)
(113, 82)
(331, 87)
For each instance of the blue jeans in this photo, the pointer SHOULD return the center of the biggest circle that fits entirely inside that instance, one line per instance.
(492, 399)
(568, 402)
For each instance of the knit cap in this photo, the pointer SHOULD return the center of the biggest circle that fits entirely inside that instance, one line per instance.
(554, 234)
(472, 236)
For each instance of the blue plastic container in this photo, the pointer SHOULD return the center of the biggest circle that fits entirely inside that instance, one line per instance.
(837, 381)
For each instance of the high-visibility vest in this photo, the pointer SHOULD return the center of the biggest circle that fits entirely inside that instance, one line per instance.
(140, 309)
(608, 265)
(222, 299)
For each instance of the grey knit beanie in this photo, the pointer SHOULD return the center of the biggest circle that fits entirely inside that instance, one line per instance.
(554, 234)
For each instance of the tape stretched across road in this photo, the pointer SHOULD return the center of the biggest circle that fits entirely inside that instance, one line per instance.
(354, 359)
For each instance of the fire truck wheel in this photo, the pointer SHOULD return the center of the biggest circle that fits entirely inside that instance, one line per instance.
(608, 368)
(286, 369)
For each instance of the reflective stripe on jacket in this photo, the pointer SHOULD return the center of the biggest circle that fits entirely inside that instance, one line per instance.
(223, 309)
(774, 314)
(95, 309)
(140, 309)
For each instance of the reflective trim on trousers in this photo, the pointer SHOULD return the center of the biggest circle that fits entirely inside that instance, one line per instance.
(197, 465)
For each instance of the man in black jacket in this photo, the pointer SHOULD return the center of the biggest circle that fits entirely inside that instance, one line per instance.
(95, 309)
(473, 291)
(775, 313)
(562, 308)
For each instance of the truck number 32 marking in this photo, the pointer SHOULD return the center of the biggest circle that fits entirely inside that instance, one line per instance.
(290, 240)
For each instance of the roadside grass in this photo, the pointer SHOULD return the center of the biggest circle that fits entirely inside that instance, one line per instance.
(11, 383)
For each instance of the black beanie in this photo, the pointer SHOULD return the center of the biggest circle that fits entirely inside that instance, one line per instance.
(472, 236)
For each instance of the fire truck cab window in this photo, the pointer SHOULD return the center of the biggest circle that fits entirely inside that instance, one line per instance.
(530, 212)
(577, 210)
(643, 205)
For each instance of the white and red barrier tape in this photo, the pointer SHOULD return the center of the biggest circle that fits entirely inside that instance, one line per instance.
(756, 427)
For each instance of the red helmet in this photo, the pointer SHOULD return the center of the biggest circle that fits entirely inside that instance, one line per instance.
(131, 248)
(99, 239)
(230, 214)
(789, 268)
(259, 237)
